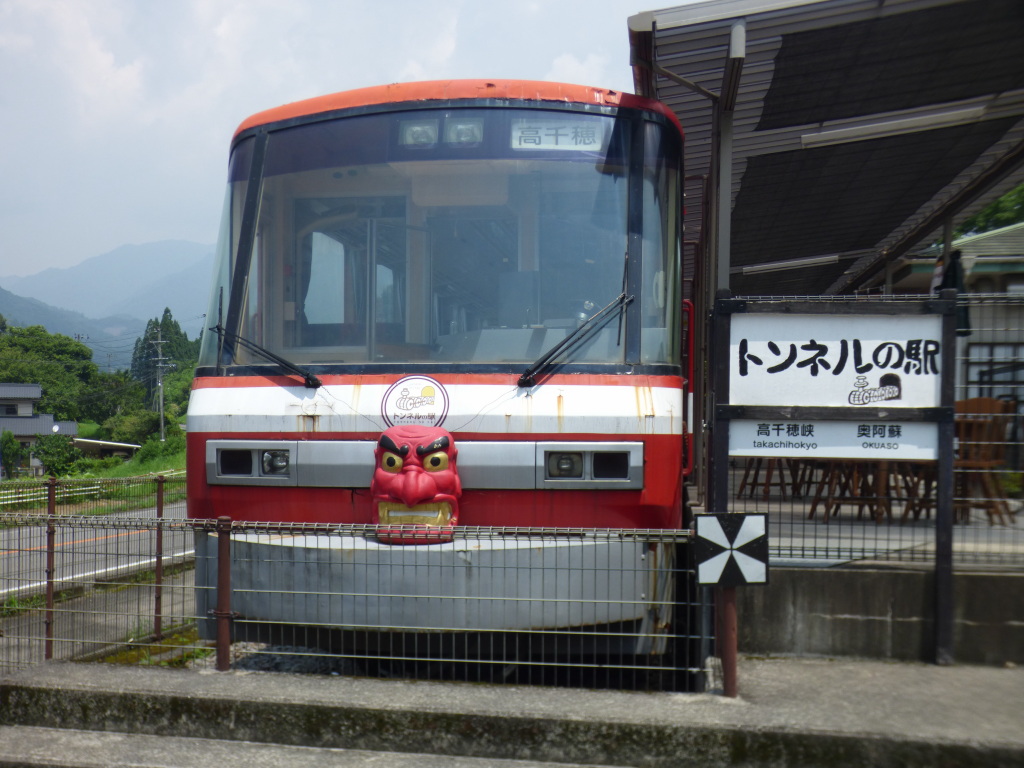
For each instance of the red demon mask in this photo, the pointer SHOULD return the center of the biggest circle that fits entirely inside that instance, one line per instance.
(415, 483)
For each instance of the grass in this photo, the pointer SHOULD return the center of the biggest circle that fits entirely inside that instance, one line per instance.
(76, 496)
(172, 462)
(177, 649)
(15, 606)
(89, 430)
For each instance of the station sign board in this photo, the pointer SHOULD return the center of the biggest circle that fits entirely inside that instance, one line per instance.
(867, 439)
(835, 360)
(868, 362)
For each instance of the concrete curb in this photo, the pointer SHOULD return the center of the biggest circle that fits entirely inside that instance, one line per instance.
(571, 726)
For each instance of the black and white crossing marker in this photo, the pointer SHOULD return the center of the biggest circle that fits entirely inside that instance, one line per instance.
(731, 549)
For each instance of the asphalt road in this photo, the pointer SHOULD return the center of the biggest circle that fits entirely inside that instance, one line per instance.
(86, 549)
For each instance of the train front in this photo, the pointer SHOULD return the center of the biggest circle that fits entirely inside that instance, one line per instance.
(433, 314)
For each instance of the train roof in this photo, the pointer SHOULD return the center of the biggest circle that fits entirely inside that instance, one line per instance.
(448, 90)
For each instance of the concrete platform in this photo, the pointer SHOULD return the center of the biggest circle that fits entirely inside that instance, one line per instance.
(791, 712)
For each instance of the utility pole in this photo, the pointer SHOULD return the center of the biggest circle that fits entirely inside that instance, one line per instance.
(160, 377)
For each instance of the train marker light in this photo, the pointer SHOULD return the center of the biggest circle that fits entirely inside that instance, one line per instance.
(419, 134)
(464, 132)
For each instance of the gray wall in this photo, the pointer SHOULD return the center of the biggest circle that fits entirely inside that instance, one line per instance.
(880, 614)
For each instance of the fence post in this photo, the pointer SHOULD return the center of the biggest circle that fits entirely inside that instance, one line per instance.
(51, 557)
(945, 607)
(158, 608)
(223, 610)
(728, 640)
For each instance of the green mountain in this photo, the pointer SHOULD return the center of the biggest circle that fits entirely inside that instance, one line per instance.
(111, 338)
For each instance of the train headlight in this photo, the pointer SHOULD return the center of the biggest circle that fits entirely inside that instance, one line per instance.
(565, 464)
(276, 462)
(582, 465)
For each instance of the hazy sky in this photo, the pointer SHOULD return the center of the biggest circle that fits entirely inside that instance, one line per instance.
(115, 115)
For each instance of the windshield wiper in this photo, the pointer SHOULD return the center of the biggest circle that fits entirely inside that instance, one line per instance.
(528, 378)
(309, 378)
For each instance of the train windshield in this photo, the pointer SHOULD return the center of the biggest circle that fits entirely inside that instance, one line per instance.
(476, 236)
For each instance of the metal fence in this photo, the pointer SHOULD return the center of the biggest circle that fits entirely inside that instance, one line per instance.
(89, 496)
(829, 512)
(586, 608)
(112, 570)
(84, 563)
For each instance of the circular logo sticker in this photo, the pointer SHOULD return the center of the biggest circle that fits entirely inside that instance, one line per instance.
(415, 400)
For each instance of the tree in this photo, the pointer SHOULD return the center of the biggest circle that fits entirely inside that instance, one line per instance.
(11, 452)
(177, 388)
(162, 343)
(1007, 210)
(57, 453)
(135, 427)
(112, 394)
(62, 366)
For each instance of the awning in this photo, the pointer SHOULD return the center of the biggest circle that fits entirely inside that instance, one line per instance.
(859, 128)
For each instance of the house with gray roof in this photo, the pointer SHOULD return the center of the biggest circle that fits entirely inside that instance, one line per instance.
(17, 415)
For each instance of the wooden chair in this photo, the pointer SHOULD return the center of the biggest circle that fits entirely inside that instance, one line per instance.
(868, 485)
(918, 480)
(981, 425)
(775, 477)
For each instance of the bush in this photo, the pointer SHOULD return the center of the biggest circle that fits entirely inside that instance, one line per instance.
(154, 449)
(93, 466)
(133, 427)
(57, 453)
(11, 452)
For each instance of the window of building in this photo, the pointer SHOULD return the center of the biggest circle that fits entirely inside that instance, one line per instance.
(995, 370)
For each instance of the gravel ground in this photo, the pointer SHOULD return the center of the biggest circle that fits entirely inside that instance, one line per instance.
(260, 657)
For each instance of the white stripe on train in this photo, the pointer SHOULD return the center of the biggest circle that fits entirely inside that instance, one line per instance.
(480, 408)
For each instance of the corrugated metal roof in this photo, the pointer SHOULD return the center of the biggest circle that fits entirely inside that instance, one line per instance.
(105, 443)
(1007, 241)
(20, 391)
(859, 125)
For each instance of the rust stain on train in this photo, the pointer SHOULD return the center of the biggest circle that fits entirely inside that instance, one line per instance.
(644, 409)
(357, 391)
(519, 414)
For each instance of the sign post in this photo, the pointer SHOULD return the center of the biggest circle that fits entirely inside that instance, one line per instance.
(731, 550)
(840, 378)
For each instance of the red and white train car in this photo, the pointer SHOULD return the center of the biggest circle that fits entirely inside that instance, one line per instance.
(447, 304)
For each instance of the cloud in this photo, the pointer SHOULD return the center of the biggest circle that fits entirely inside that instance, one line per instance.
(120, 112)
(567, 68)
(67, 42)
(436, 57)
